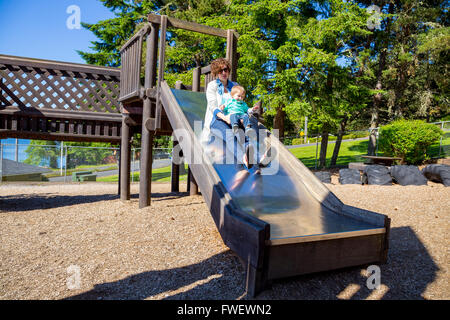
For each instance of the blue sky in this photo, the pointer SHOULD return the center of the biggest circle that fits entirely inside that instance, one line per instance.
(37, 28)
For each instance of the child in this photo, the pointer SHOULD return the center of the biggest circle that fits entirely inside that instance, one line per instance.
(238, 109)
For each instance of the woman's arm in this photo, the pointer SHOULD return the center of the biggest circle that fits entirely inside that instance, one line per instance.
(213, 104)
(211, 96)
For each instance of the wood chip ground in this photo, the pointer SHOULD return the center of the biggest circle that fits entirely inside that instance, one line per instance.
(79, 241)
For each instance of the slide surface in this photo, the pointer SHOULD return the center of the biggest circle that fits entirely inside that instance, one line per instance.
(286, 195)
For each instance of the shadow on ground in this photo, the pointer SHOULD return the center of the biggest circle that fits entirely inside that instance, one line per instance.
(410, 269)
(28, 202)
(206, 278)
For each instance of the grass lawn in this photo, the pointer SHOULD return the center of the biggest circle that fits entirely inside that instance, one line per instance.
(99, 167)
(351, 151)
(160, 174)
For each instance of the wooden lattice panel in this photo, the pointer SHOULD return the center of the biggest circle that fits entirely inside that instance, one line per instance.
(65, 87)
(51, 100)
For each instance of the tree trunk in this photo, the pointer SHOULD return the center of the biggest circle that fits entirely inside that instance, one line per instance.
(278, 121)
(337, 145)
(323, 149)
(377, 98)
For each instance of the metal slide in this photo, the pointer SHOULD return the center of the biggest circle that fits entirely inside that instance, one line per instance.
(293, 207)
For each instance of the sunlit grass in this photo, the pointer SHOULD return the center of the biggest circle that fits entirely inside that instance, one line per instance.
(160, 175)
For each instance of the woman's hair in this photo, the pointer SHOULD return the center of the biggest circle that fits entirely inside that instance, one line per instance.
(219, 64)
(236, 89)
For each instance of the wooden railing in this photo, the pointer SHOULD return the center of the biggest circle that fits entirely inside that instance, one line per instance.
(50, 100)
(131, 60)
(208, 76)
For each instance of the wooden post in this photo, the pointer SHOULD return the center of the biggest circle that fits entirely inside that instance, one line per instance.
(231, 54)
(196, 79)
(193, 186)
(125, 149)
(175, 177)
(161, 62)
(119, 164)
(175, 172)
(147, 135)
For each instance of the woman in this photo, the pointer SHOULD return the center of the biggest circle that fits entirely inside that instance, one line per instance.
(218, 124)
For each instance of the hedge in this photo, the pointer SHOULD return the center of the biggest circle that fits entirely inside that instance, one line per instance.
(408, 139)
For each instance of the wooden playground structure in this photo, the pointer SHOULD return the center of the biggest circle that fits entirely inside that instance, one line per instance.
(50, 100)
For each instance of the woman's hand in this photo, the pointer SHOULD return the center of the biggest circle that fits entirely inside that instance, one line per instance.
(223, 117)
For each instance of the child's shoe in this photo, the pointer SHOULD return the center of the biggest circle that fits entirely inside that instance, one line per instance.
(250, 132)
(235, 128)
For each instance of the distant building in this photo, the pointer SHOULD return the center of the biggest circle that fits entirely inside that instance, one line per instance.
(18, 171)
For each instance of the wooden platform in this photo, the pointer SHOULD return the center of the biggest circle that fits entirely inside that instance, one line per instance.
(357, 165)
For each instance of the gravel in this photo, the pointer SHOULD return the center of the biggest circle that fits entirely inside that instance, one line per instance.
(79, 241)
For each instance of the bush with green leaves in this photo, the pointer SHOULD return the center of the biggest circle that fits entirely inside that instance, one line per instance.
(408, 139)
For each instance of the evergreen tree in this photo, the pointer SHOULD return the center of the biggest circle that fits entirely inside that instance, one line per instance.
(315, 58)
(113, 33)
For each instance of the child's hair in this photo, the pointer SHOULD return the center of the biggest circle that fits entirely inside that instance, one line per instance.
(237, 89)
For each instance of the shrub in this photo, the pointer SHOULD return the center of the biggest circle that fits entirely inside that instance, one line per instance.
(356, 135)
(408, 139)
(297, 141)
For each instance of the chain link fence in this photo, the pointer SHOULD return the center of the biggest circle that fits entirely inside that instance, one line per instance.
(58, 162)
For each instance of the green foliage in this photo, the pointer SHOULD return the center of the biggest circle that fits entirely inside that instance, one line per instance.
(408, 139)
(39, 151)
(78, 153)
(88, 153)
(113, 33)
(297, 141)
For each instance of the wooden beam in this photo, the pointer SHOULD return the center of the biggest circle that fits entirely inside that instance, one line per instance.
(61, 114)
(190, 26)
(56, 136)
(58, 65)
(206, 69)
